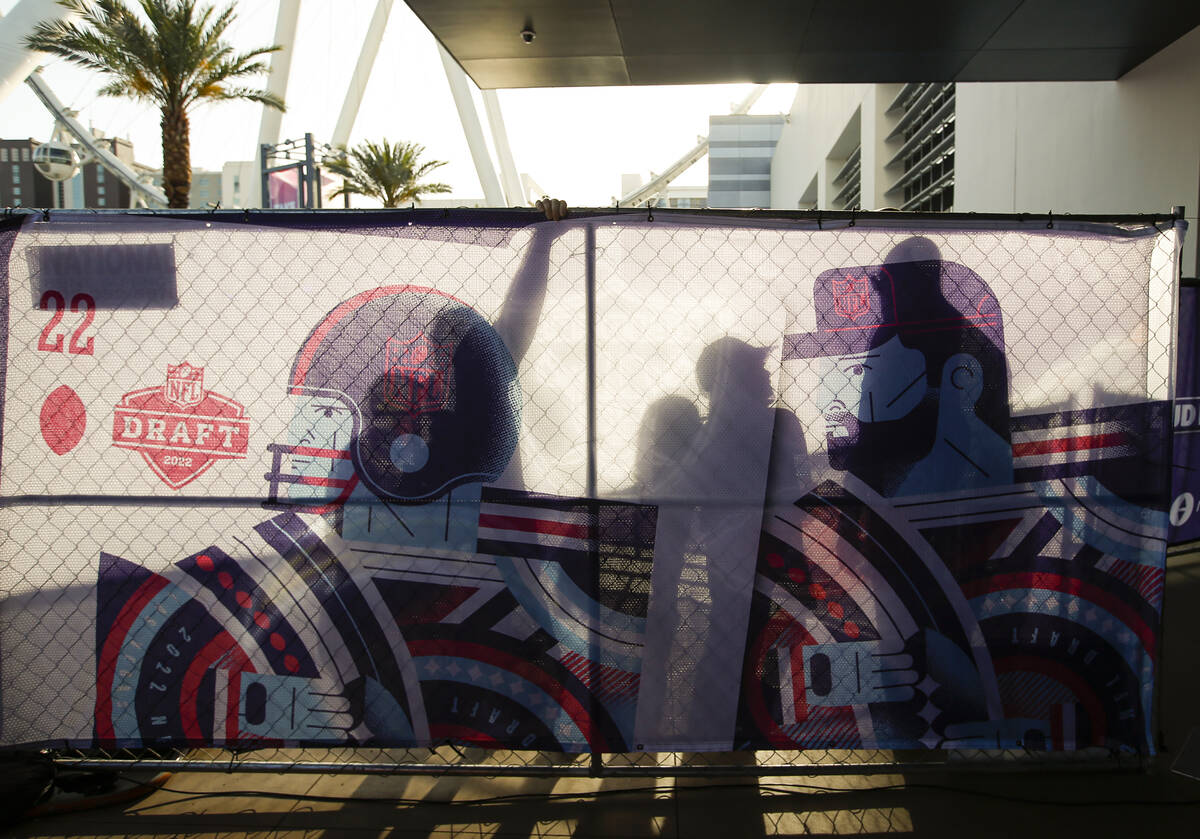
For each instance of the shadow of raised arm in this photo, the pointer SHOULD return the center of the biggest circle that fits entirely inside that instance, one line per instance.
(522, 308)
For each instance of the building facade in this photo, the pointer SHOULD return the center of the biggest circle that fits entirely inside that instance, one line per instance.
(1125, 146)
(740, 149)
(20, 183)
(93, 187)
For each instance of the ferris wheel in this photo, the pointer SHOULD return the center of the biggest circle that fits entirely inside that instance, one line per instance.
(72, 143)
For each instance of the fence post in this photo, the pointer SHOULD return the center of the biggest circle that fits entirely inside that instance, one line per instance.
(597, 761)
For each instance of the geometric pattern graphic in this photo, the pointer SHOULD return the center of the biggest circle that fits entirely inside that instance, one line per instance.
(376, 649)
(1026, 616)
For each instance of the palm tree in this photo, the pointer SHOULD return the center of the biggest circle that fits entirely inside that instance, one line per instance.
(390, 172)
(175, 62)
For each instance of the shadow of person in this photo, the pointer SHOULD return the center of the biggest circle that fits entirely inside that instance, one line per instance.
(711, 498)
(665, 435)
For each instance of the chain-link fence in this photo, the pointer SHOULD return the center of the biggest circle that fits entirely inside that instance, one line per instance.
(670, 494)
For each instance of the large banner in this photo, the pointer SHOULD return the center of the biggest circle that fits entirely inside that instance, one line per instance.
(1185, 524)
(606, 484)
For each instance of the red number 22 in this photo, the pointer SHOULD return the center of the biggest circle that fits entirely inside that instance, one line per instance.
(53, 301)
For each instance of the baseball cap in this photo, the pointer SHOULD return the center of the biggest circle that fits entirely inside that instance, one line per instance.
(913, 291)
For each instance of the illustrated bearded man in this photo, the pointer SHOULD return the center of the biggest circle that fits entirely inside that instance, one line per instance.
(914, 383)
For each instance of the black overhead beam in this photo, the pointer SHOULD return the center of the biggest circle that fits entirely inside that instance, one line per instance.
(649, 42)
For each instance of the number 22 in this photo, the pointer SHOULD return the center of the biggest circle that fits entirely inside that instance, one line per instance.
(53, 301)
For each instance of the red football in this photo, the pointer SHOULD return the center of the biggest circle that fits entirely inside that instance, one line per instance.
(63, 419)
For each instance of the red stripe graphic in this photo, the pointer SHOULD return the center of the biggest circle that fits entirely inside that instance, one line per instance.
(1071, 680)
(310, 451)
(106, 666)
(212, 652)
(1068, 585)
(612, 684)
(830, 728)
(1144, 579)
(549, 685)
(314, 481)
(799, 683)
(1068, 444)
(463, 734)
(550, 528)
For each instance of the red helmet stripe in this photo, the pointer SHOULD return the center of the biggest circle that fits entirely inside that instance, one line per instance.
(310, 451)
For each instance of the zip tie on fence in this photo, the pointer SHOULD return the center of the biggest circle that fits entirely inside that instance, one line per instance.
(851, 219)
(46, 214)
(1050, 220)
(649, 212)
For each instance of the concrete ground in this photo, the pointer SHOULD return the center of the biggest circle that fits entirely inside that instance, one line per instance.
(687, 809)
(1146, 802)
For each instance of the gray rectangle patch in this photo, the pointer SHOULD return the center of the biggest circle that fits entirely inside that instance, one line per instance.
(114, 276)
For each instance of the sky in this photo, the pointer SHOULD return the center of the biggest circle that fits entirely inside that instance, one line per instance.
(575, 142)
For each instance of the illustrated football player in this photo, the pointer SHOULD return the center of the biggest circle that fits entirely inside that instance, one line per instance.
(406, 403)
(914, 387)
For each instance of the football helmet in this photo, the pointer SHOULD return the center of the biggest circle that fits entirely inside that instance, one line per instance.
(405, 389)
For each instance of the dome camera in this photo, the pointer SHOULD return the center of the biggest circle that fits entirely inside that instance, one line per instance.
(527, 34)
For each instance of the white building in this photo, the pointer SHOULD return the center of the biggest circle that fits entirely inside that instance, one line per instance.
(1126, 146)
(240, 180)
(740, 148)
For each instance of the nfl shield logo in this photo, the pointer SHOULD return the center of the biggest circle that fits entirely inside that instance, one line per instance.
(852, 296)
(185, 385)
(416, 374)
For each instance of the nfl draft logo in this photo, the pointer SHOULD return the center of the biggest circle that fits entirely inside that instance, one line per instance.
(852, 296)
(179, 428)
(185, 385)
(418, 373)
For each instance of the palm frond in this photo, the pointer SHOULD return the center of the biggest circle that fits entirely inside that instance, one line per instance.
(171, 53)
(389, 172)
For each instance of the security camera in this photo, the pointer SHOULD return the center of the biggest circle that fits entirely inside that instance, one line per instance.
(527, 34)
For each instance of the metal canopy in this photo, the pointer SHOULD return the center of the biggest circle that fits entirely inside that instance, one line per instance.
(650, 42)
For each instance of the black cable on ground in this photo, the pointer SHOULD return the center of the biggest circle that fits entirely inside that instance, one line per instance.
(95, 788)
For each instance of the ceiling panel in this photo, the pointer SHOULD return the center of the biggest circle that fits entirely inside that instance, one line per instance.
(692, 27)
(1096, 24)
(575, 71)
(1040, 65)
(710, 68)
(859, 25)
(878, 66)
(649, 42)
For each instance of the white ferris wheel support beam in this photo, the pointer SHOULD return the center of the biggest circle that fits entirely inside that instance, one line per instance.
(277, 82)
(16, 60)
(513, 190)
(469, 117)
(362, 74)
(151, 195)
(280, 72)
(658, 184)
